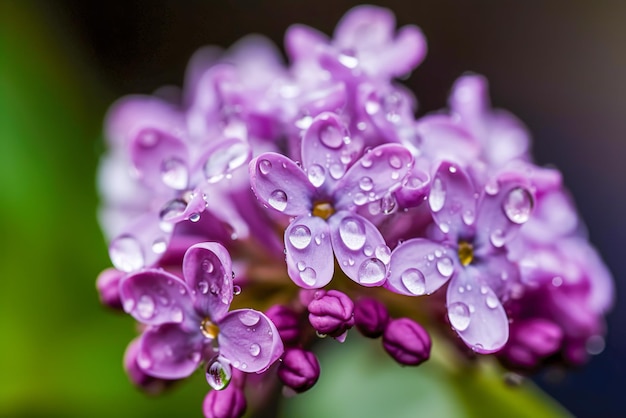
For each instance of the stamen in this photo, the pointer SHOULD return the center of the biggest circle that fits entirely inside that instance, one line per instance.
(323, 210)
(466, 252)
(209, 329)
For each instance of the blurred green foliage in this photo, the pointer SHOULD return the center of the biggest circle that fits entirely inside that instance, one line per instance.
(60, 351)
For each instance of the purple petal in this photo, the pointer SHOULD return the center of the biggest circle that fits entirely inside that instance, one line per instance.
(376, 174)
(475, 312)
(326, 150)
(360, 248)
(169, 352)
(408, 51)
(161, 160)
(155, 297)
(452, 200)
(504, 207)
(420, 267)
(303, 42)
(280, 184)
(309, 252)
(207, 269)
(226, 155)
(443, 138)
(249, 340)
(188, 206)
(365, 26)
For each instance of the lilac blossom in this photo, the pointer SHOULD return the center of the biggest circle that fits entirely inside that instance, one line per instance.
(475, 229)
(323, 196)
(406, 341)
(188, 320)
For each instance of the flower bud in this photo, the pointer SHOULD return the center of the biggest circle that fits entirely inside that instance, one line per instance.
(227, 403)
(108, 288)
(139, 378)
(287, 323)
(299, 369)
(370, 317)
(530, 341)
(406, 341)
(331, 313)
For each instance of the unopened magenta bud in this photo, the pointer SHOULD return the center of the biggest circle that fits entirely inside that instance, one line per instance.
(299, 369)
(227, 403)
(406, 341)
(531, 341)
(108, 285)
(331, 313)
(370, 317)
(287, 323)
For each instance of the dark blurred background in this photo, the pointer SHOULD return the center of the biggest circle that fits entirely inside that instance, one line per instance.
(560, 66)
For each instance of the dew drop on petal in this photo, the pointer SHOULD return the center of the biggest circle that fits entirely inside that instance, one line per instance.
(255, 349)
(414, 281)
(445, 266)
(207, 266)
(468, 217)
(300, 237)
(331, 137)
(491, 188)
(336, 170)
(159, 246)
(459, 315)
(278, 200)
(352, 233)
(236, 290)
(383, 253)
(371, 271)
(366, 184)
(518, 205)
(126, 253)
(492, 301)
(497, 238)
(366, 162)
(194, 217)
(224, 161)
(144, 361)
(437, 196)
(388, 203)
(172, 209)
(218, 374)
(395, 161)
(145, 307)
(265, 166)
(177, 315)
(359, 199)
(348, 59)
(249, 318)
(317, 175)
(174, 173)
(308, 276)
(203, 287)
(368, 251)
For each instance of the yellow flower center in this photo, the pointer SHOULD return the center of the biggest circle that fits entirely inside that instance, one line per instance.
(323, 210)
(466, 252)
(209, 329)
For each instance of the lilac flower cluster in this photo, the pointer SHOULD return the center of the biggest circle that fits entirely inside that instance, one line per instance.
(259, 178)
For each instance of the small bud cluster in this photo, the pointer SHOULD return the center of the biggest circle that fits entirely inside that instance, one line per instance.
(265, 178)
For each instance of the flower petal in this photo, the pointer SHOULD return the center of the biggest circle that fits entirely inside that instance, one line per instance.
(377, 173)
(303, 42)
(475, 312)
(280, 184)
(360, 248)
(309, 252)
(249, 340)
(420, 267)
(452, 200)
(169, 352)
(155, 297)
(207, 269)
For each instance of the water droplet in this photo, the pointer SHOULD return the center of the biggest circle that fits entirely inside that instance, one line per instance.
(249, 318)
(308, 276)
(414, 281)
(126, 253)
(557, 281)
(371, 271)
(236, 290)
(194, 217)
(301, 265)
(265, 166)
(348, 59)
(366, 162)
(484, 289)
(145, 307)
(368, 251)
(144, 361)
(331, 137)
(491, 188)
(388, 203)
(172, 209)
(359, 199)
(497, 238)
(518, 205)
(148, 138)
(159, 246)
(223, 161)
(352, 233)
(300, 237)
(318, 239)
(383, 253)
(468, 217)
(174, 173)
(395, 161)
(372, 106)
(337, 170)
(437, 196)
(317, 175)
(366, 184)
(445, 266)
(492, 301)
(207, 266)
(177, 315)
(255, 349)
(218, 374)
(203, 287)
(459, 316)
(445, 228)
(278, 200)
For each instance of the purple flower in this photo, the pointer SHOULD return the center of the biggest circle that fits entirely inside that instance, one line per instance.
(189, 322)
(531, 342)
(474, 229)
(299, 369)
(371, 317)
(227, 403)
(406, 341)
(331, 313)
(323, 196)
